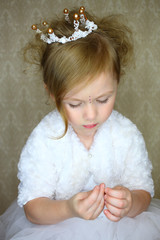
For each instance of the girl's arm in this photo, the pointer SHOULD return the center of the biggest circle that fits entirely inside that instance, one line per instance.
(87, 205)
(46, 211)
(120, 202)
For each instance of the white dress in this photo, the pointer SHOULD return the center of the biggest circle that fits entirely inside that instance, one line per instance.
(59, 168)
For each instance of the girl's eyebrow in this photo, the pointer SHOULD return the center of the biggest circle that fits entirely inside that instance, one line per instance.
(73, 99)
(105, 94)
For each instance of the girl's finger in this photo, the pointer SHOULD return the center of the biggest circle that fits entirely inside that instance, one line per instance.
(99, 209)
(117, 192)
(114, 210)
(111, 216)
(92, 197)
(100, 195)
(101, 192)
(118, 203)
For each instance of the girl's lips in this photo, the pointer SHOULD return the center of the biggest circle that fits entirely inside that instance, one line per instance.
(90, 125)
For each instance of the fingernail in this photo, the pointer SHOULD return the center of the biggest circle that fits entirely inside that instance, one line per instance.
(101, 186)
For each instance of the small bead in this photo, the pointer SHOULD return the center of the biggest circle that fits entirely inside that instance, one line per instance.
(65, 11)
(76, 16)
(81, 11)
(44, 23)
(82, 8)
(50, 30)
(34, 27)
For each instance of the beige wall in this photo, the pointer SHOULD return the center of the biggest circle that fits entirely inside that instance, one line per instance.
(22, 97)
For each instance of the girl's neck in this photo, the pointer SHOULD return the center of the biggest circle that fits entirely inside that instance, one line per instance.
(87, 141)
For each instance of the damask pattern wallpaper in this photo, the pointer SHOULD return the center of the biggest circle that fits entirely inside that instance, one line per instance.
(23, 101)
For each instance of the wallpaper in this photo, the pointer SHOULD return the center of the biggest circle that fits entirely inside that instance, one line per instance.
(23, 101)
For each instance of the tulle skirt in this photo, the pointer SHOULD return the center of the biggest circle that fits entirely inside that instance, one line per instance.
(15, 226)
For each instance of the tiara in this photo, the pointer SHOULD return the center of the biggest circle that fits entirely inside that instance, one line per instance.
(50, 36)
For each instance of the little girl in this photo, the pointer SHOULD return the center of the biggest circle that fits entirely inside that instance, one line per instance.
(84, 172)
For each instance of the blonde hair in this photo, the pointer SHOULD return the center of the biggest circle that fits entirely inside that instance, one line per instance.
(68, 65)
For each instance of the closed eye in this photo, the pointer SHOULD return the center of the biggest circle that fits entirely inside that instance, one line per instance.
(102, 101)
(74, 105)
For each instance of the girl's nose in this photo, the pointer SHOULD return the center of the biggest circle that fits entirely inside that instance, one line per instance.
(90, 112)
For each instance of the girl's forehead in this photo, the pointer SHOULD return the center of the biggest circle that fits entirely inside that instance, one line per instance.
(103, 83)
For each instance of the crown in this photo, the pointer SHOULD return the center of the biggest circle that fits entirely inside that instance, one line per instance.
(79, 18)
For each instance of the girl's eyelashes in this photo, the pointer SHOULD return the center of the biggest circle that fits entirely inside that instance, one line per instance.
(79, 104)
(102, 101)
(74, 105)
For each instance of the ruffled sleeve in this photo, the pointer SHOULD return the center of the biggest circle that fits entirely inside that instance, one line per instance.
(138, 168)
(132, 157)
(36, 169)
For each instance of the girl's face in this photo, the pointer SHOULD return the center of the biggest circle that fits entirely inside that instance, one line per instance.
(90, 106)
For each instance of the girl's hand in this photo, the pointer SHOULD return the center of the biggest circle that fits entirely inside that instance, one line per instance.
(87, 205)
(118, 202)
